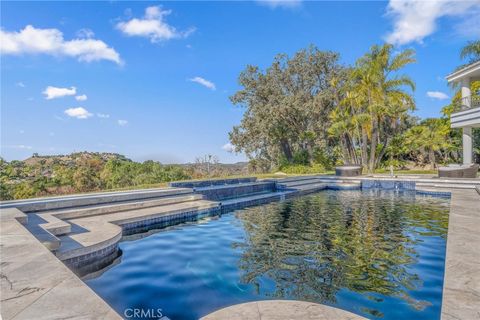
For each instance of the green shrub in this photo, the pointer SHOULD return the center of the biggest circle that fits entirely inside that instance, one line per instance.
(301, 157)
(324, 158)
(303, 169)
(24, 190)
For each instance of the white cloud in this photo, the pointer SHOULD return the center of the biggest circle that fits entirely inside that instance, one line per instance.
(437, 95)
(152, 26)
(289, 4)
(81, 97)
(79, 113)
(103, 115)
(31, 40)
(204, 82)
(55, 92)
(414, 20)
(20, 84)
(122, 122)
(228, 147)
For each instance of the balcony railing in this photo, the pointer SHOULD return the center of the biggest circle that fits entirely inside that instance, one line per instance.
(469, 102)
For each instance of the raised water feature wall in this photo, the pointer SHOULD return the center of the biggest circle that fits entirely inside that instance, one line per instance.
(232, 191)
(388, 184)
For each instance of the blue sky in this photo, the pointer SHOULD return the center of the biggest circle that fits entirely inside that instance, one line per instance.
(155, 83)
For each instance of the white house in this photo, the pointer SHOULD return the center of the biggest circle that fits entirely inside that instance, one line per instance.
(469, 115)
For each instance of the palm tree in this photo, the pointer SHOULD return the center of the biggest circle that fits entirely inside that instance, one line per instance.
(429, 138)
(376, 101)
(472, 51)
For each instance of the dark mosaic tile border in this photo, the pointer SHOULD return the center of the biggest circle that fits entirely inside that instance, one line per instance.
(440, 194)
(168, 220)
(79, 262)
(255, 202)
(388, 184)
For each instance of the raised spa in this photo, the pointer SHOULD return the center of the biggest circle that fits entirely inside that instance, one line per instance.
(376, 253)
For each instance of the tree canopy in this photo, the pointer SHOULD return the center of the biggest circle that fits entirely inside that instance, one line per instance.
(310, 108)
(310, 111)
(287, 106)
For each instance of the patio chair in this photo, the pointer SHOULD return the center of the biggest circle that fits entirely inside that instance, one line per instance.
(459, 171)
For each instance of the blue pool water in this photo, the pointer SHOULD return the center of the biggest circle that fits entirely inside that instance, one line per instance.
(376, 253)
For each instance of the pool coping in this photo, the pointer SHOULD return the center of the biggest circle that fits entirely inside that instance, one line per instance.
(49, 295)
(37, 285)
(461, 285)
(281, 309)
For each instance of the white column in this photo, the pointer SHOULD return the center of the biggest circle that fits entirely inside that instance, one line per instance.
(467, 145)
(466, 93)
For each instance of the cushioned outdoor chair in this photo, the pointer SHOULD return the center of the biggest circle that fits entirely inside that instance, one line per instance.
(459, 171)
(348, 171)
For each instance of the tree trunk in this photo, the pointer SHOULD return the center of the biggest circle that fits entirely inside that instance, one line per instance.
(287, 151)
(364, 148)
(344, 146)
(373, 145)
(351, 150)
(431, 158)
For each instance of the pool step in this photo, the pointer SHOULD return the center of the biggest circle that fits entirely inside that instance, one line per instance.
(294, 179)
(48, 239)
(305, 189)
(56, 225)
(340, 180)
(317, 183)
(449, 185)
(351, 185)
(102, 232)
(252, 200)
(295, 183)
(64, 202)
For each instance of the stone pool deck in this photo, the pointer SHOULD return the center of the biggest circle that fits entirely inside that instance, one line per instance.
(82, 229)
(281, 310)
(35, 284)
(461, 286)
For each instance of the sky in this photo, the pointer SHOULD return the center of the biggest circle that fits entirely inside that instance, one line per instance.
(152, 80)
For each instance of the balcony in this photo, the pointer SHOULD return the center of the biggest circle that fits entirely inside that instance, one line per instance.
(469, 102)
(468, 116)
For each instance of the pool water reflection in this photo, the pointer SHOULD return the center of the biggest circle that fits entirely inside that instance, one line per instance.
(380, 254)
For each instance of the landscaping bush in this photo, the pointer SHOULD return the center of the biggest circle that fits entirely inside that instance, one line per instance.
(302, 169)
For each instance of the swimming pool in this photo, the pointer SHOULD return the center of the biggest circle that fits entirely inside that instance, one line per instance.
(377, 253)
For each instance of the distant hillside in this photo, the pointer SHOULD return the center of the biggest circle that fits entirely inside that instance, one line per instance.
(42, 175)
(72, 159)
